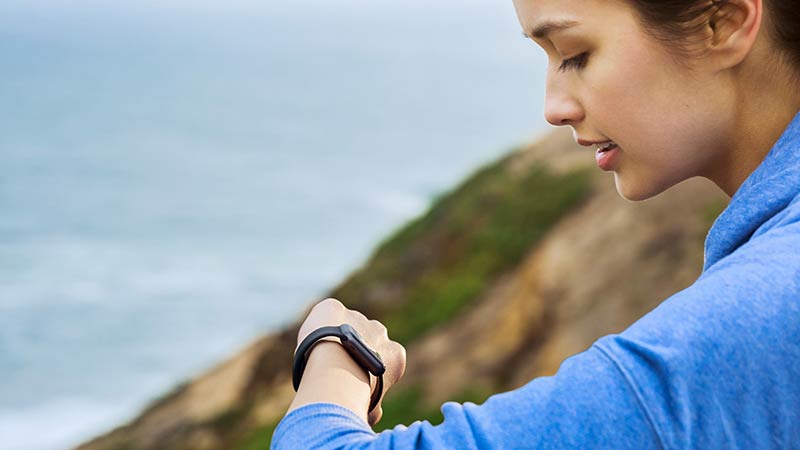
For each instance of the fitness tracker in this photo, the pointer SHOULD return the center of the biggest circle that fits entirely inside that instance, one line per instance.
(367, 358)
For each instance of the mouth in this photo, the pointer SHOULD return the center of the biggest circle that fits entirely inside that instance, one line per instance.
(607, 155)
(606, 146)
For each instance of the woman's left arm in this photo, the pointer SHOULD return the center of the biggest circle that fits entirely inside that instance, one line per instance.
(588, 404)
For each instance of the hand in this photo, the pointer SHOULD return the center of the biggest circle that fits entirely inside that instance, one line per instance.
(331, 312)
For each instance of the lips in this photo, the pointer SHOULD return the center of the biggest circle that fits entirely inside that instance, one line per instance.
(607, 152)
(607, 156)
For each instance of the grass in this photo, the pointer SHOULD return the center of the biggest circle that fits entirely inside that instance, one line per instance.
(488, 227)
(257, 439)
(404, 407)
(712, 210)
(407, 406)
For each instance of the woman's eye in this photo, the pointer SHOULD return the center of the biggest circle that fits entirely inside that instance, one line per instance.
(577, 62)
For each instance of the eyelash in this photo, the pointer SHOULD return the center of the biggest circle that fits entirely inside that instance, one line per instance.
(578, 62)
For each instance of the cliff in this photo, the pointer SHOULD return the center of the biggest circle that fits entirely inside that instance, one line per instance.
(528, 261)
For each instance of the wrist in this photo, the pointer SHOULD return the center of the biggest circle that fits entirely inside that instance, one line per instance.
(329, 354)
(332, 376)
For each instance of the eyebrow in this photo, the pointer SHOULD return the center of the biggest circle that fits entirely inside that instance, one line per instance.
(545, 28)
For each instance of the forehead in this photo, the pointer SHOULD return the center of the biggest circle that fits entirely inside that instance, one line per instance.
(532, 14)
(550, 7)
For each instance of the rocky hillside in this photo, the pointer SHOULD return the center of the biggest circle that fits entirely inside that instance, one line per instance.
(527, 262)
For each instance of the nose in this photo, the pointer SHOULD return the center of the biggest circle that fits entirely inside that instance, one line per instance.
(560, 107)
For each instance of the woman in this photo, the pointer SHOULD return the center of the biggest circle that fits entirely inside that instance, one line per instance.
(665, 91)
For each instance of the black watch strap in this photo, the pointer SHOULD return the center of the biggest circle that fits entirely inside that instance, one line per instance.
(367, 358)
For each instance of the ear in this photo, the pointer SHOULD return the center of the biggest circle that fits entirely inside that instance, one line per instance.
(734, 25)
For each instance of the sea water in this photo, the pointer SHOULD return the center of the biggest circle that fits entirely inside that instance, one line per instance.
(178, 178)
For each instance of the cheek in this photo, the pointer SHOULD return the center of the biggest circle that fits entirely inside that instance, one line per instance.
(643, 102)
(633, 92)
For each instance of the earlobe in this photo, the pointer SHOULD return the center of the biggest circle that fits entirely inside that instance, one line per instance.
(734, 25)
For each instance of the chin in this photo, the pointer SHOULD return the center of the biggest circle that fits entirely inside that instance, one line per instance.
(637, 191)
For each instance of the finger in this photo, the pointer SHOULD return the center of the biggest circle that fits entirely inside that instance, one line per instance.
(324, 313)
(360, 316)
(331, 303)
(398, 361)
(380, 328)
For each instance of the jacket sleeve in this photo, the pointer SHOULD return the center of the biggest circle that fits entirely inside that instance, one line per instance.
(717, 364)
(588, 404)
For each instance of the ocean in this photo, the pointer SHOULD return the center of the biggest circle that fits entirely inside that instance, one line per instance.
(178, 178)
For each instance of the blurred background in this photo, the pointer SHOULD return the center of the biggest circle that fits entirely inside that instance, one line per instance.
(178, 177)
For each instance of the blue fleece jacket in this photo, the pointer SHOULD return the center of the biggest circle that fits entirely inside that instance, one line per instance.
(716, 366)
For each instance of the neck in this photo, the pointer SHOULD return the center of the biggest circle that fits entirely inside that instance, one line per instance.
(766, 97)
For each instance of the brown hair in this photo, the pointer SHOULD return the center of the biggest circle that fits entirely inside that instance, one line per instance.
(675, 22)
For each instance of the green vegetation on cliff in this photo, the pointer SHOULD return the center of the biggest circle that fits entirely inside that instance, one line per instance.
(434, 266)
(257, 439)
(407, 405)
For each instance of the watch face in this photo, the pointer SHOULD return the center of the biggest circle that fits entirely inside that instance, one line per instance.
(358, 349)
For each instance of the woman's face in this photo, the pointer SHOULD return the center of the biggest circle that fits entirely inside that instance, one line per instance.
(610, 81)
